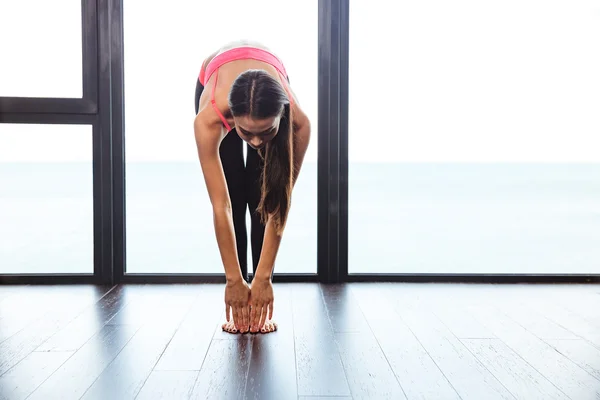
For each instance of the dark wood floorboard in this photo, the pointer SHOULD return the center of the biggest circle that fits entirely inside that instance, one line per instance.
(446, 306)
(417, 373)
(168, 385)
(519, 377)
(318, 362)
(584, 304)
(561, 312)
(86, 325)
(272, 372)
(225, 370)
(324, 398)
(20, 309)
(20, 381)
(61, 308)
(535, 322)
(581, 353)
(187, 349)
(159, 313)
(565, 374)
(368, 372)
(342, 310)
(467, 375)
(152, 303)
(81, 370)
(396, 341)
(11, 290)
(124, 377)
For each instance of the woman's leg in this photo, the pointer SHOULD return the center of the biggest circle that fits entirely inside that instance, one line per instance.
(254, 166)
(253, 187)
(232, 159)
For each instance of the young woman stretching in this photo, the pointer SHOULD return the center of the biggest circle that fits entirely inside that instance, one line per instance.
(248, 99)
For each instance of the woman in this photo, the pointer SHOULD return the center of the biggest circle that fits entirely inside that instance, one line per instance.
(248, 99)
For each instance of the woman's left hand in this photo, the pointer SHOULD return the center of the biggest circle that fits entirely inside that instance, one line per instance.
(261, 303)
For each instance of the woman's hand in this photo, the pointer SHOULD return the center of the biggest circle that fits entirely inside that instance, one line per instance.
(261, 303)
(237, 295)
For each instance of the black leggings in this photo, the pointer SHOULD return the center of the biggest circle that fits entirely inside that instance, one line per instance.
(243, 182)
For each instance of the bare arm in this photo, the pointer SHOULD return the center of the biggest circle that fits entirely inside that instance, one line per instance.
(208, 138)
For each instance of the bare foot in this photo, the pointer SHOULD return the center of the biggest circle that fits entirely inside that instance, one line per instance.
(269, 327)
(230, 327)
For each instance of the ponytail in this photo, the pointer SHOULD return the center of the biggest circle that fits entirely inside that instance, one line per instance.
(278, 174)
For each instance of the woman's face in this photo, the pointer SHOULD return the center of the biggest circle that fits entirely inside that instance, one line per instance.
(256, 132)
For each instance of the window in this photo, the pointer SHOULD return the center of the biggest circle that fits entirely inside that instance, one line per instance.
(41, 49)
(473, 142)
(169, 216)
(46, 199)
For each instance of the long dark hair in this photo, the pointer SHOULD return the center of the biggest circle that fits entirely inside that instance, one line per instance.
(258, 95)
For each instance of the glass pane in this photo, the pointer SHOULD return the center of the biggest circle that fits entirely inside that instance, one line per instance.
(41, 49)
(474, 141)
(46, 199)
(169, 216)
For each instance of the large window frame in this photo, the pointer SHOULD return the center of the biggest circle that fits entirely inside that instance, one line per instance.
(325, 18)
(93, 108)
(102, 106)
(340, 271)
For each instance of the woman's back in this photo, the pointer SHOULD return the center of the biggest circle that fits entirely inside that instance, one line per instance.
(241, 43)
(220, 70)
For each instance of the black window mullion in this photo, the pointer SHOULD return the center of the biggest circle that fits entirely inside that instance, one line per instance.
(329, 205)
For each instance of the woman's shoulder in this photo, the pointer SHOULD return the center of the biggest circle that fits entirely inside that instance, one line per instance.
(207, 117)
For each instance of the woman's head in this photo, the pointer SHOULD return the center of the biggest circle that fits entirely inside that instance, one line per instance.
(257, 103)
(261, 111)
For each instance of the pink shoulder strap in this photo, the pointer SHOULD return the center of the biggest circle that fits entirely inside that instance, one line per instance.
(214, 103)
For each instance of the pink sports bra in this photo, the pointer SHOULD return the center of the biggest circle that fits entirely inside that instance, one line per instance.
(240, 53)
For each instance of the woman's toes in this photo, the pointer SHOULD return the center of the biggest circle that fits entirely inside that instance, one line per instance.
(269, 327)
(229, 327)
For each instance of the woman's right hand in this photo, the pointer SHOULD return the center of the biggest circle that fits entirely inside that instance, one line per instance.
(237, 297)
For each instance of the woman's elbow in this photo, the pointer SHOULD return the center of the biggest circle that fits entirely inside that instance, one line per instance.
(221, 207)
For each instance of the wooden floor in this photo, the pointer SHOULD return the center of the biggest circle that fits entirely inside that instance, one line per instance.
(361, 341)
